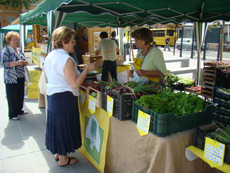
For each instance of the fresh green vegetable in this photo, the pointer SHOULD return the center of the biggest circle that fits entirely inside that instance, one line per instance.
(169, 102)
(94, 94)
(171, 78)
(222, 133)
(186, 81)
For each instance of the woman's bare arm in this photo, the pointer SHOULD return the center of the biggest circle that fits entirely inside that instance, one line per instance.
(71, 75)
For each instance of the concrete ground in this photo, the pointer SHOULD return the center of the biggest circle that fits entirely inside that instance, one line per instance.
(22, 146)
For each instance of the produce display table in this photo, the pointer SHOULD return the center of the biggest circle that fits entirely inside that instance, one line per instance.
(127, 151)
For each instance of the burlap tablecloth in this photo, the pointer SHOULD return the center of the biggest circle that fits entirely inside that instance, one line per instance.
(128, 152)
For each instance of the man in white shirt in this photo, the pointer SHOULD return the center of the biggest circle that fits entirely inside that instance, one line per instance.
(108, 49)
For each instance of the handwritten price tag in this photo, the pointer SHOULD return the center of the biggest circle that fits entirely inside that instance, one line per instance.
(110, 105)
(143, 123)
(82, 97)
(92, 104)
(214, 152)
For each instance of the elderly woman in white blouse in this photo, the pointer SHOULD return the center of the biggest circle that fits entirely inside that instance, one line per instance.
(63, 133)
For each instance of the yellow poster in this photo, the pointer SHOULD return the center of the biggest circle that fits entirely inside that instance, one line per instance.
(110, 105)
(94, 131)
(214, 152)
(92, 104)
(143, 123)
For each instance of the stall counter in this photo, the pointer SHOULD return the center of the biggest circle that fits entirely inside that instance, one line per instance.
(124, 150)
(127, 151)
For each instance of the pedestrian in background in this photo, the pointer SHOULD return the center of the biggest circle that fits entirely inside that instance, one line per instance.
(108, 48)
(14, 61)
(167, 43)
(63, 132)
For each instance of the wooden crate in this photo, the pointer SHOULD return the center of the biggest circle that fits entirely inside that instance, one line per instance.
(98, 99)
(209, 77)
(85, 90)
(87, 59)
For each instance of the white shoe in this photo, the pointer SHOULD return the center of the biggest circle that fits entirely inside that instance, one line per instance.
(15, 118)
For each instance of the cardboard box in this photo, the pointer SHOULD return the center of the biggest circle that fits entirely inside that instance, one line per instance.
(28, 56)
(36, 52)
(33, 90)
(34, 75)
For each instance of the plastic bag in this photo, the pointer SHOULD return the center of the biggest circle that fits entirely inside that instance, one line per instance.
(137, 78)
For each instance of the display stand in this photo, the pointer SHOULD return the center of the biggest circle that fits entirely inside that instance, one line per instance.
(200, 153)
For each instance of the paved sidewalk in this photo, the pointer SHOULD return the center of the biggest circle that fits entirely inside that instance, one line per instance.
(22, 147)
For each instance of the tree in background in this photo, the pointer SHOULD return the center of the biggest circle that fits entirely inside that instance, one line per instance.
(17, 3)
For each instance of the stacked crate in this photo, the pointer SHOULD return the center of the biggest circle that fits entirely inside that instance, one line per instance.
(222, 105)
(209, 77)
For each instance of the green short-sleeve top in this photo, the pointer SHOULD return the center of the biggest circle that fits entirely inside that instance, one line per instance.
(153, 61)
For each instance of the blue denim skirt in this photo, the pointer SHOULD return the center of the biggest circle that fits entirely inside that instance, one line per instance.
(63, 132)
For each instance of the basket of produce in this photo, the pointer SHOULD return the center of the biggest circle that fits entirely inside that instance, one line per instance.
(84, 88)
(87, 59)
(124, 94)
(194, 89)
(95, 91)
(223, 77)
(221, 134)
(173, 112)
(171, 79)
(176, 83)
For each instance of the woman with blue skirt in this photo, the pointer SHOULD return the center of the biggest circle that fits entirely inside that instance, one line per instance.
(63, 132)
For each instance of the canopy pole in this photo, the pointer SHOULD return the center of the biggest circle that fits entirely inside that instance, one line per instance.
(121, 44)
(198, 28)
(221, 41)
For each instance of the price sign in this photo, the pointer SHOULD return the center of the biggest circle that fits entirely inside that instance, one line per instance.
(92, 104)
(143, 123)
(110, 105)
(214, 152)
(82, 97)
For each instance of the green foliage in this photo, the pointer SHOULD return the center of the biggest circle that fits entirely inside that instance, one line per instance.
(214, 25)
(171, 78)
(17, 3)
(169, 102)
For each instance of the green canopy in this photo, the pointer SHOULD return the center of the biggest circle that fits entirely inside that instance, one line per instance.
(15, 28)
(124, 13)
(130, 12)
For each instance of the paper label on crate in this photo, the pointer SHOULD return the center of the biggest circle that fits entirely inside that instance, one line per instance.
(92, 104)
(110, 105)
(143, 123)
(82, 97)
(214, 152)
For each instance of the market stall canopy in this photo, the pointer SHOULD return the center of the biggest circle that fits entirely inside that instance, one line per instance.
(15, 28)
(129, 12)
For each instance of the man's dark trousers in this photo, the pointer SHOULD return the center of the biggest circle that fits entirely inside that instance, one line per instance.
(109, 66)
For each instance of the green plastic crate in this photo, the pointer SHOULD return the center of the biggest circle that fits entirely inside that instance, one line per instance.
(166, 124)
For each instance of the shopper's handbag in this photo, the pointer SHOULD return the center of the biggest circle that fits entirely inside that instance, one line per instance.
(42, 83)
(27, 76)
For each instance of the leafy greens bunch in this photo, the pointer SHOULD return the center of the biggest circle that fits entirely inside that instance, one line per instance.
(169, 102)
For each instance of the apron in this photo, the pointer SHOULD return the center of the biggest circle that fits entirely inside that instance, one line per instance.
(137, 66)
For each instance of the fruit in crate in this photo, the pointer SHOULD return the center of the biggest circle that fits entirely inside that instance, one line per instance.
(216, 63)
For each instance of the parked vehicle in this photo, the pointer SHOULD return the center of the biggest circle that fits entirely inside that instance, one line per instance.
(187, 44)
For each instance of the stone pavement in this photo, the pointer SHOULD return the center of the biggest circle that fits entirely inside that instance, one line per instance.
(22, 147)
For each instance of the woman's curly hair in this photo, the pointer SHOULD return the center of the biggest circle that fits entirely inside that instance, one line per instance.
(143, 34)
(61, 35)
(10, 34)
